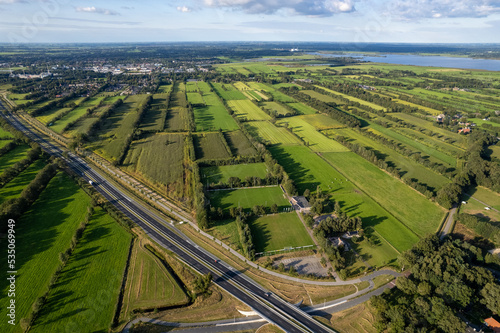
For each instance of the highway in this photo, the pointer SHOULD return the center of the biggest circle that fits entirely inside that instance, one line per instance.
(273, 309)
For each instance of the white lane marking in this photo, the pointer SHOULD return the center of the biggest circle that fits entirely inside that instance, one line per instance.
(332, 305)
(242, 322)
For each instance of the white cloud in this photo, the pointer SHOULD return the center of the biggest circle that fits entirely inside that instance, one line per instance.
(301, 7)
(183, 9)
(414, 9)
(96, 10)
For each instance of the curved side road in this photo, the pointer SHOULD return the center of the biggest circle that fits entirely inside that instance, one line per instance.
(273, 309)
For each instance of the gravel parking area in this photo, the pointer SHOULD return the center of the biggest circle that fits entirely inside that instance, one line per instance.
(304, 265)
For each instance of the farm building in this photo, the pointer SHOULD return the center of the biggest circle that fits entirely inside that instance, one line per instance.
(464, 130)
(493, 323)
(336, 241)
(350, 234)
(302, 204)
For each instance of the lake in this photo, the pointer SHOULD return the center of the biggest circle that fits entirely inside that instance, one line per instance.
(418, 60)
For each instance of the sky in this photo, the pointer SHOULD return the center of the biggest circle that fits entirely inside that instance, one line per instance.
(411, 21)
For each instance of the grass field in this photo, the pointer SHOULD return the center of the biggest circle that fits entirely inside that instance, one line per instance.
(13, 188)
(442, 157)
(277, 231)
(177, 115)
(315, 140)
(149, 283)
(158, 158)
(164, 89)
(321, 97)
(308, 170)
(116, 128)
(228, 91)
(354, 99)
(239, 144)
(406, 166)
(458, 139)
(47, 116)
(302, 108)
(5, 134)
(195, 98)
(487, 196)
(321, 121)
(407, 205)
(75, 114)
(271, 134)
(246, 198)
(154, 119)
(214, 115)
(364, 322)
(277, 95)
(12, 157)
(246, 110)
(277, 108)
(222, 173)
(87, 289)
(210, 146)
(43, 232)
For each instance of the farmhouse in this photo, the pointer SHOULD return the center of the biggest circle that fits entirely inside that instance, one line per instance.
(336, 241)
(301, 204)
(440, 118)
(350, 234)
(464, 130)
(493, 323)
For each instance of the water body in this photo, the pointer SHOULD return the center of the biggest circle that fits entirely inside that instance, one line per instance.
(418, 60)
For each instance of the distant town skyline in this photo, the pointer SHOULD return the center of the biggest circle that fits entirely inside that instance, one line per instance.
(422, 21)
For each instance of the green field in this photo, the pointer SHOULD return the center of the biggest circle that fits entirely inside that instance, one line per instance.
(407, 205)
(75, 114)
(277, 95)
(278, 231)
(217, 174)
(302, 108)
(149, 283)
(354, 99)
(228, 91)
(442, 157)
(178, 114)
(195, 98)
(308, 170)
(487, 196)
(246, 198)
(12, 157)
(239, 144)
(314, 139)
(155, 116)
(43, 232)
(87, 289)
(5, 134)
(47, 116)
(158, 158)
(271, 134)
(210, 146)
(458, 140)
(279, 109)
(321, 121)
(116, 128)
(214, 115)
(246, 110)
(13, 188)
(406, 166)
(321, 97)
(164, 89)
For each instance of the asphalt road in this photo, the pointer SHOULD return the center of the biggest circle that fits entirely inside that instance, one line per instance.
(273, 309)
(447, 228)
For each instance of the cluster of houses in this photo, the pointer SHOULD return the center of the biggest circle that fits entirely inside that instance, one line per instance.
(301, 204)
